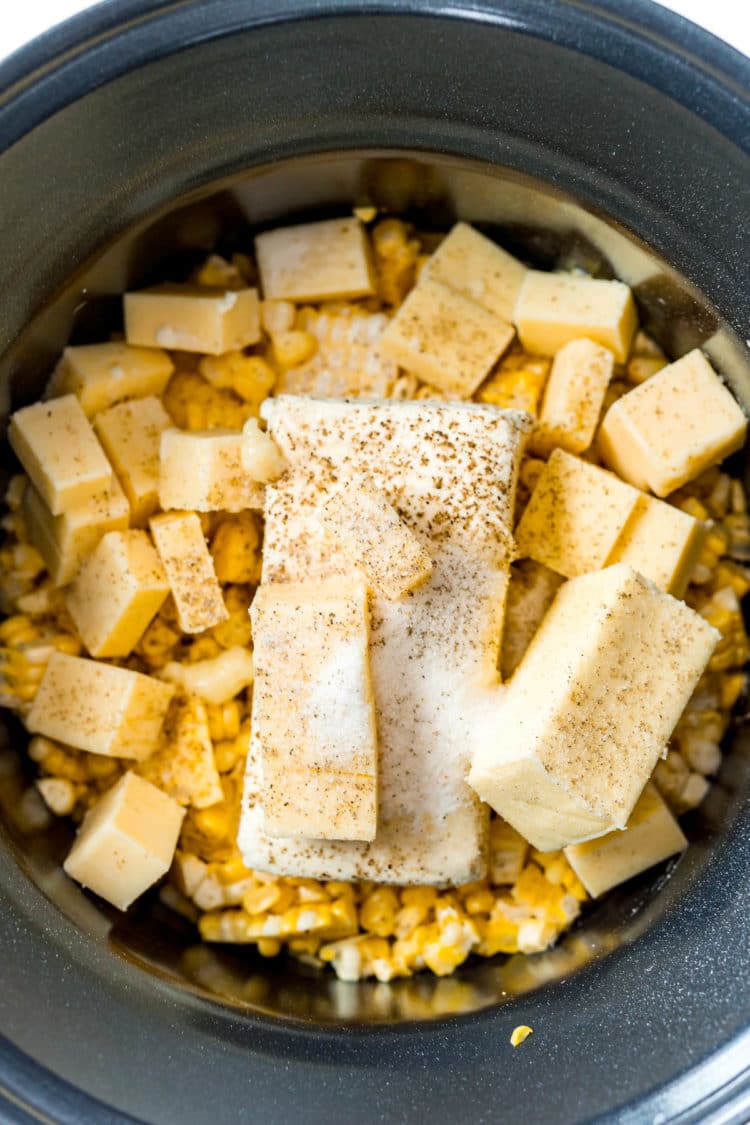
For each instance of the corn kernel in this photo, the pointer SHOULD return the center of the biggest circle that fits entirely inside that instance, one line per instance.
(520, 1034)
(378, 912)
(235, 549)
(290, 349)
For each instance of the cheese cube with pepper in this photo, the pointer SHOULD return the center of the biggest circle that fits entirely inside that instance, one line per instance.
(651, 836)
(445, 339)
(118, 591)
(99, 375)
(315, 261)
(99, 707)
(58, 449)
(179, 540)
(661, 542)
(554, 308)
(64, 541)
(126, 842)
(313, 716)
(577, 734)
(184, 765)
(373, 536)
(575, 516)
(665, 432)
(477, 267)
(131, 435)
(193, 318)
(203, 471)
(573, 398)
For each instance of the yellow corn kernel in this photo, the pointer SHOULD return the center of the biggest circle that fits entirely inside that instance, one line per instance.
(520, 1034)
(261, 899)
(58, 793)
(514, 390)
(249, 376)
(193, 404)
(731, 688)
(286, 899)
(218, 273)
(396, 254)
(223, 720)
(277, 316)
(269, 947)
(235, 549)
(729, 573)
(18, 630)
(479, 901)
(419, 896)
(226, 755)
(694, 508)
(378, 912)
(158, 643)
(290, 349)
(338, 889)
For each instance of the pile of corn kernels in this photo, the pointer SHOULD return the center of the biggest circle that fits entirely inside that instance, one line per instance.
(361, 929)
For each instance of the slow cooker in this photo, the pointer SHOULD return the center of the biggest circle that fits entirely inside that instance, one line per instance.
(607, 135)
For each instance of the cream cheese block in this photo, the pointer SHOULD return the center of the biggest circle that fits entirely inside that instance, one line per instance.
(450, 469)
(590, 708)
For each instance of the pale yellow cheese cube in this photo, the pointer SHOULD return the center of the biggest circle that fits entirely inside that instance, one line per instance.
(477, 267)
(126, 842)
(179, 539)
(64, 541)
(531, 590)
(662, 543)
(192, 318)
(667, 431)
(203, 471)
(183, 765)
(99, 707)
(313, 714)
(590, 708)
(118, 591)
(58, 449)
(651, 836)
(575, 516)
(315, 261)
(573, 397)
(555, 308)
(99, 375)
(360, 519)
(445, 339)
(131, 435)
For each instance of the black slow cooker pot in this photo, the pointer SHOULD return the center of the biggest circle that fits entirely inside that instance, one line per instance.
(607, 135)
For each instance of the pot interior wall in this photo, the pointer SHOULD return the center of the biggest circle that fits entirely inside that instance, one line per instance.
(548, 230)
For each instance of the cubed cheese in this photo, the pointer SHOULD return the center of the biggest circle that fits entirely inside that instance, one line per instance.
(555, 308)
(99, 707)
(667, 431)
(477, 267)
(445, 339)
(315, 261)
(203, 471)
(183, 765)
(573, 397)
(57, 447)
(65, 541)
(99, 375)
(190, 570)
(661, 542)
(371, 533)
(193, 318)
(313, 720)
(591, 707)
(651, 836)
(118, 591)
(531, 591)
(131, 435)
(450, 469)
(575, 516)
(260, 456)
(126, 842)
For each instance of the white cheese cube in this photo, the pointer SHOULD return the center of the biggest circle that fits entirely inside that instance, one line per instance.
(662, 543)
(203, 471)
(118, 591)
(479, 269)
(260, 456)
(64, 541)
(555, 308)
(573, 397)
(99, 375)
(667, 431)
(57, 447)
(179, 539)
(445, 339)
(313, 720)
(575, 516)
(531, 591)
(126, 841)
(315, 261)
(99, 707)
(591, 707)
(183, 766)
(193, 318)
(131, 435)
(651, 836)
(370, 532)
